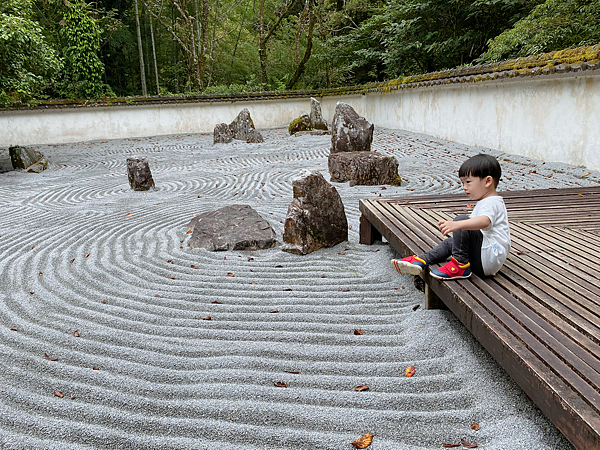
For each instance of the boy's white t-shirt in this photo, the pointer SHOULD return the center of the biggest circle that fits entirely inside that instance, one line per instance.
(496, 236)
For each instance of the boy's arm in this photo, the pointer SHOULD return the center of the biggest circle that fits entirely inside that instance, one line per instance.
(474, 223)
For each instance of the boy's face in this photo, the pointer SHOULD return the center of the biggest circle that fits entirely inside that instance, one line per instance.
(478, 188)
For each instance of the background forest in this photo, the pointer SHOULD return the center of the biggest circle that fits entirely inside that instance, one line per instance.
(87, 50)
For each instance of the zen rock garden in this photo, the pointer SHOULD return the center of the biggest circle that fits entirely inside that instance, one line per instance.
(315, 217)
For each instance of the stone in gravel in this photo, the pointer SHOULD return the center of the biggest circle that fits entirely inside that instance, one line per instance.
(300, 124)
(222, 134)
(315, 217)
(254, 137)
(363, 168)
(40, 166)
(316, 116)
(139, 174)
(23, 157)
(234, 227)
(241, 125)
(312, 133)
(351, 132)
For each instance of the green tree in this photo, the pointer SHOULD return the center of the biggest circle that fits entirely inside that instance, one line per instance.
(553, 25)
(84, 69)
(28, 63)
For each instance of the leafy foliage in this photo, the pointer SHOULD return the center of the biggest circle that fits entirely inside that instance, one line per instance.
(28, 63)
(84, 70)
(553, 25)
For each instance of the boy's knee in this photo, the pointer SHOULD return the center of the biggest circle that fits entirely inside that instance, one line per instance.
(460, 217)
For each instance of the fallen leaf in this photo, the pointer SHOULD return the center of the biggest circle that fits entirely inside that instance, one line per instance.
(475, 426)
(467, 445)
(76, 333)
(48, 358)
(363, 442)
(580, 195)
(13, 329)
(361, 388)
(341, 253)
(280, 384)
(217, 302)
(194, 267)
(158, 296)
(414, 308)
(446, 445)
(171, 278)
(128, 214)
(322, 276)
(95, 368)
(41, 274)
(359, 332)
(274, 312)
(410, 371)
(72, 260)
(189, 231)
(344, 290)
(254, 282)
(291, 371)
(103, 301)
(31, 292)
(73, 398)
(207, 318)
(229, 274)
(287, 289)
(250, 259)
(278, 267)
(587, 173)
(59, 394)
(349, 227)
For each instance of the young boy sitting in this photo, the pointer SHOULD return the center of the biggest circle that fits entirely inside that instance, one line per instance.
(479, 243)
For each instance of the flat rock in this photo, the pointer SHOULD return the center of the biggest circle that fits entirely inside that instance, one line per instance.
(350, 132)
(316, 116)
(241, 125)
(315, 217)
(23, 157)
(234, 227)
(312, 133)
(139, 174)
(222, 134)
(254, 137)
(299, 125)
(363, 168)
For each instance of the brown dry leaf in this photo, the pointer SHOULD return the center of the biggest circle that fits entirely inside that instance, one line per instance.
(170, 261)
(171, 278)
(216, 302)
(279, 266)
(447, 445)
(349, 227)
(41, 274)
(359, 332)
(48, 358)
(13, 329)
(207, 318)
(253, 282)
(95, 368)
(72, 260)
(291, 371)
(465, 444)
(194, 267)
(128, 214)
(410, 371)
(250, 259)
(587, 173)
(475, 426)
(344, 290)
(59, 394)
(86, 255)
(76, 333)
(103, 301)
(158, 296)
(414, 308)
(580, 195)
(341, 253)
(363, 442)
(280, 384)
(229, 274)
(31, 292)
(274, 312)
(361, 388)
(189, 231)
(322, 276)
(287, 289)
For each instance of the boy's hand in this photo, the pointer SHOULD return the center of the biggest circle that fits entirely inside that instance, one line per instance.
(448, 226)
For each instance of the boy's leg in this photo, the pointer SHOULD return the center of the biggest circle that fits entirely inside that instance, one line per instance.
(466, 255)
(414, 265)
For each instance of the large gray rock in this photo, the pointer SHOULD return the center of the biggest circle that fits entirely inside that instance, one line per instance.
(222, 134)
(235, 227)
(41, 165)
(300, 124)
(139, 174)
(23, 157)
(315, 217)
(316, 116)
(242, 125)
(351, 133)
(365, 168)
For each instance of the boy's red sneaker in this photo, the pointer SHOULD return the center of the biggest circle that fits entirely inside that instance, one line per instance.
(452, 270)
(411, 265)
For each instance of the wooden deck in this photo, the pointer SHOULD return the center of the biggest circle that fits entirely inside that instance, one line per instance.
(541, 322)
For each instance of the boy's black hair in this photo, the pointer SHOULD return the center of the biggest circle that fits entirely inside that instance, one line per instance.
(481, 166)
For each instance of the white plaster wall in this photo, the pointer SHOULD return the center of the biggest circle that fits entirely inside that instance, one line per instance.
(554, 118)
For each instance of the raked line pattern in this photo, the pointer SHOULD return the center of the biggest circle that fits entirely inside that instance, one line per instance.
(180, 349)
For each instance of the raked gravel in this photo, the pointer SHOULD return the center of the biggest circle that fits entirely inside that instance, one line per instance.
(80, 251)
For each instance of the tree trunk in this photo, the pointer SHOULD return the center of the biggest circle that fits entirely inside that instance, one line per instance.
(139, 39)
(154, 56)
(311, 26)
(262, 44)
